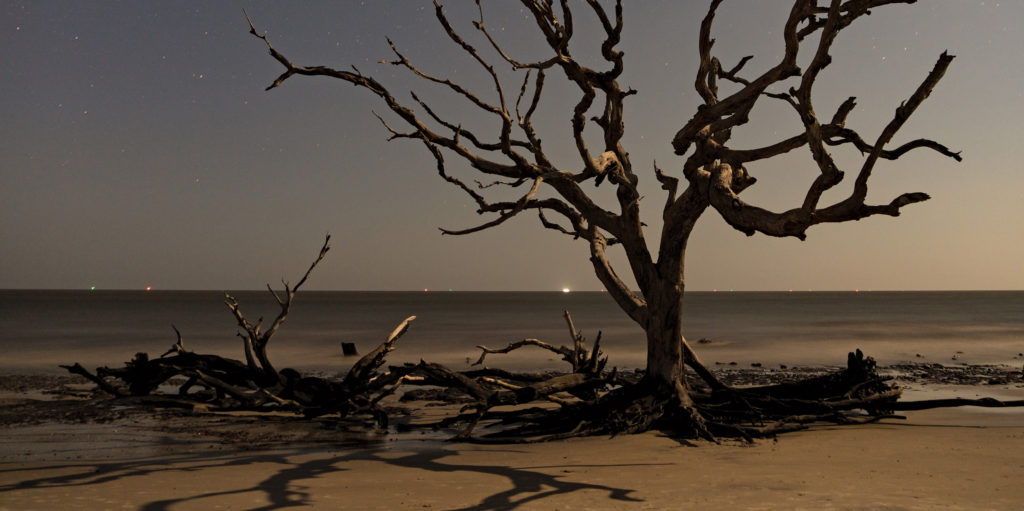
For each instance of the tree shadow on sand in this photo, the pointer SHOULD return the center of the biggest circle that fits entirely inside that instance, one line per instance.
(284, 488)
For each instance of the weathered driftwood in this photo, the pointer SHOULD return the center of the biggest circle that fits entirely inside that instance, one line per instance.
(255, 383)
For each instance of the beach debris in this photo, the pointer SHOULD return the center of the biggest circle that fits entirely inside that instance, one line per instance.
(704, 340)
(755, 364)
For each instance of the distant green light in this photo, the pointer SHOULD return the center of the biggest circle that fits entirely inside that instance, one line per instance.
(92, 288)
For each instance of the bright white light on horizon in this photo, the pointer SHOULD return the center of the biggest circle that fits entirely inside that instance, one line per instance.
(565, 290)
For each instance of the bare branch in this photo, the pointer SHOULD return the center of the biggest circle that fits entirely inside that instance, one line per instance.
(479, 24)
(100, 382)
(566, 353)
(254, 341)
(716, 119)
(511, 184)
(402, 61)
(482, 164)
(853, 9)
(903, 113)
(520, 205)
(708, 69)
(668, 183)
(178, 348)
(362, 369)
(634, 306)
(577, 356)
(286, 303)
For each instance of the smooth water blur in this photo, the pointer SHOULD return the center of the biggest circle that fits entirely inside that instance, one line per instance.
(41, 329)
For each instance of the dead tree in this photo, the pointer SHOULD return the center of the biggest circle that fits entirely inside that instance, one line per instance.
(711, 174)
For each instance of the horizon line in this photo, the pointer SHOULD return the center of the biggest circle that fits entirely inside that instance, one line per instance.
(558, 291)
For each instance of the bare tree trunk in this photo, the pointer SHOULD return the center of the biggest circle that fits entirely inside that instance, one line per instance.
(667, 349)
(664, 335)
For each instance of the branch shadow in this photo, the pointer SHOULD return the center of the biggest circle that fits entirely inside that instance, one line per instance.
(284, 488)
(528, 484)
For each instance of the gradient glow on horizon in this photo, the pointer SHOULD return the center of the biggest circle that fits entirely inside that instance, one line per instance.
(139, 148)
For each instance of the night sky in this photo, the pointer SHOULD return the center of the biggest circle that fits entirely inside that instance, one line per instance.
(138, 148)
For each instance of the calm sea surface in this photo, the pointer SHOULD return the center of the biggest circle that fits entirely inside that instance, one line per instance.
(41, 329)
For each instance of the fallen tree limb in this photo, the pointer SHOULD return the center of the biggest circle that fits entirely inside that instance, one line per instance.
(100, 382)
(927, 404)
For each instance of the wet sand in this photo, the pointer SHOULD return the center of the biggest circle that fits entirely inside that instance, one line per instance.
(86, 454)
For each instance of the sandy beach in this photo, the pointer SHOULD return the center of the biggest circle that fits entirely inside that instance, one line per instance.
(88, 454)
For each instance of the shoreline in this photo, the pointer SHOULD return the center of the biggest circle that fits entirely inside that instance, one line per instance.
(104, 453)
(40, 383)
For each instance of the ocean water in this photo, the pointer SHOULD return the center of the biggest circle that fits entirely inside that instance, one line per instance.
(41, 329)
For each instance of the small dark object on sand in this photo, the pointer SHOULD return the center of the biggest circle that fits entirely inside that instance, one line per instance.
(349, 349)
(918, 355)
(732, 363)
(755, 364)
(704, 340)
(783, 366)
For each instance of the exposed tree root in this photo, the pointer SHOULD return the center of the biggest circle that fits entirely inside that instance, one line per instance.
(854, 395)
